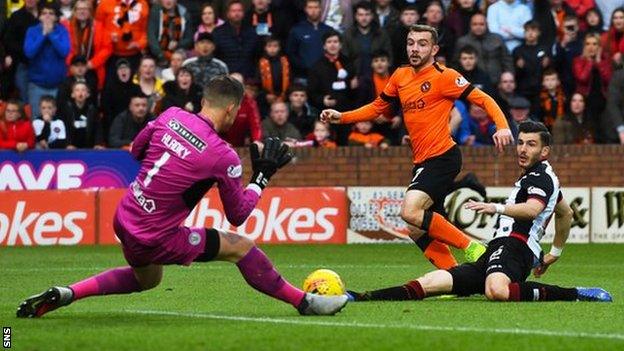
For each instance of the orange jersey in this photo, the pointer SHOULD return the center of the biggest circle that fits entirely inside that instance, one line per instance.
(426, 99)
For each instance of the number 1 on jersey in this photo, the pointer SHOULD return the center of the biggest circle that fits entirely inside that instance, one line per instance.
(152, 172)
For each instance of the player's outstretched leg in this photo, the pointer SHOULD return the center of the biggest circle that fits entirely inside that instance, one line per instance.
(435, 251)
(121, 280)
(259, 272)
(431, 284)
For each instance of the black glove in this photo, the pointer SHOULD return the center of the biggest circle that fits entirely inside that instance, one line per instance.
(275, 155)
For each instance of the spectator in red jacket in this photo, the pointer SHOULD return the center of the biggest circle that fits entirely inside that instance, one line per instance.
(16, 132)
(612, 41)
(592, 71)
(88, 38)
(247, 123)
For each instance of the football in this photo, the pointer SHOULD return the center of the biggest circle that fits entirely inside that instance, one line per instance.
(324, 282)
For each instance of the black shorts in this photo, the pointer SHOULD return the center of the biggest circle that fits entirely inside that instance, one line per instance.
(506, 255)
(436, 175)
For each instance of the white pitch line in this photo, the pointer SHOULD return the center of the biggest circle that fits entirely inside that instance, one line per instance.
(513, 331)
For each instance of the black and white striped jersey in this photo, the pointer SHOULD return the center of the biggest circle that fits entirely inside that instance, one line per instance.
(540, 183)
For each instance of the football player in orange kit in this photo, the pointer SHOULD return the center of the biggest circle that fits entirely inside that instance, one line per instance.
(426, 92)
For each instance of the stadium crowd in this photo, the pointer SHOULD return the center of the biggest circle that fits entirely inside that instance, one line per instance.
(89, 74)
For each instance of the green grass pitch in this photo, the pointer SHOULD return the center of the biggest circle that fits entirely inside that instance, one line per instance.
(209, 307)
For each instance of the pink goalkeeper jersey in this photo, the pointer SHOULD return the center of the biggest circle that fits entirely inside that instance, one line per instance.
(181, 157)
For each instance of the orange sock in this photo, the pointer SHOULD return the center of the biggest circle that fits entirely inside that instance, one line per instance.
(440, 255)
(442, 230)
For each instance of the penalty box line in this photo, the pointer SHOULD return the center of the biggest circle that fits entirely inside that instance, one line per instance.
(303, 321)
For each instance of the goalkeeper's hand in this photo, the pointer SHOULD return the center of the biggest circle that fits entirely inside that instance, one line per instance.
(275, 155)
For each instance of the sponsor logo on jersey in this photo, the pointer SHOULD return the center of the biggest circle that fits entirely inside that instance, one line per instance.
(536, 191)
(461, 81)
(425, 87)
(182, 131)
(235, 171)
(194, 238)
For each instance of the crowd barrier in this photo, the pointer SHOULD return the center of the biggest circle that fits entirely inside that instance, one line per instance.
(335, 215)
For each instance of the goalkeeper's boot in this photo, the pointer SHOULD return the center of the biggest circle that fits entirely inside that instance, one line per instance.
(593, 294)
(322, 305)
(49, 300)
(474, 251)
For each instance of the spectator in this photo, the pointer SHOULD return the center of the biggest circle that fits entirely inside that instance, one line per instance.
(337, 14)
(612, 41)
(398, 36)
(274, 71)
(506, 90)
(150, 85)
(492, 54)
(50, 131)
(177, 59)
(387, 14)
(613, 124)
(363, 39)
(77, 72)
(16, 132)
(305, 47)
(301, 114)
(13, 38)
(168, 29)
(236, 43)
(209, 21)
(552, 98)
(246, 127)
(460, 15)
(507, 18)
(84, 129)
(88, 38)
(363, 135)
(204, 66)
(520, 112)
(130, 122)
(594, 22)
(576, 127)
(331, 82)
(606, 8)
(434, 17)
(65, 8)
(182, 92)
(46, 45)
(468, 67)
(268, 20)
(322, 136)
(530, 59)
(482, 128)
(117, 93)
(277, 125)
(572, 46)
(592, 71)
(126, 23)
(549, 14)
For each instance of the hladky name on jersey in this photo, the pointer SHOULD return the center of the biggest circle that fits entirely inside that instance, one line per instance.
(175, 146)
(182, 131)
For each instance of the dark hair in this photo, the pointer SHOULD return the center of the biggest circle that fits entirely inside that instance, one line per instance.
(308, 1)
(468, 49)
(296, 87)
(47, 98)
(147, 57)
(425, 28)
(329, 34)
(380, 53)
(223, 90)
(363, 5)
(185, 69)
(532, 24)
(234, 2)
(20, 107)
(51, 5)
(549, 72)
(271, 39)
(598, 13)
(138, 94)
(410, 8)
(536, 127)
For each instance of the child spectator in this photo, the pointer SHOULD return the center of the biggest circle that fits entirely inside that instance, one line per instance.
(84, 130)
(50, 130)
(78, 72)
(530, 59)
(552, 98)
(183, 92)
(274, 73)
(468, 67)
(322, 135)
(363, 135)
(16, 131)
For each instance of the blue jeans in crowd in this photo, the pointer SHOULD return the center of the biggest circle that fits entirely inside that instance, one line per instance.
(35, 93)
(21, 81)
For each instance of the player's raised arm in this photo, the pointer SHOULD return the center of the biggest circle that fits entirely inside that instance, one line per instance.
(238, 202)
(503, 135)
(141, 141)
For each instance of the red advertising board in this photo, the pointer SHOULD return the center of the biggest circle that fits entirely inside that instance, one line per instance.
(47, 217)
(283, 215)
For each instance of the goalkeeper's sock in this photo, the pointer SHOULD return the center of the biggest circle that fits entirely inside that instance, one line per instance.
(440, 229)
(533, 291)
(436, 252)
(119, 280)
(259, 272)
(410, 291)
